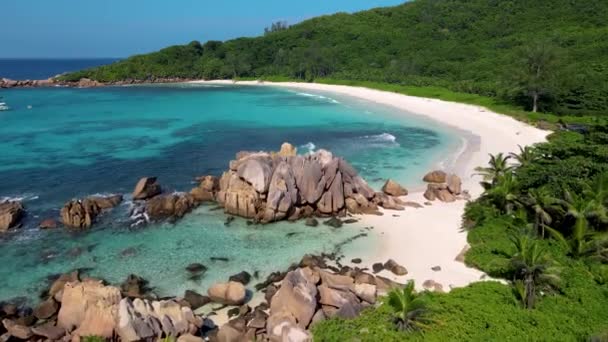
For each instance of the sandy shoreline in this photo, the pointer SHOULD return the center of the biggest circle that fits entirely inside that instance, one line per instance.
(423, 238)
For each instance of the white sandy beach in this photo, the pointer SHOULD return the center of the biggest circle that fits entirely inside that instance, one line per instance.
(420, 239)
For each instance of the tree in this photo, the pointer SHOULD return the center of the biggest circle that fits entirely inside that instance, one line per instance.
(541, 204)
(536, 75)
(408, 308)
(276, 27)
(525, 156)
(504, 193)
(583, 241)
(533, 269)
(498, 166)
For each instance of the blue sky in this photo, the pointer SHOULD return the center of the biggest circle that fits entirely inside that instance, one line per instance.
(119, 28)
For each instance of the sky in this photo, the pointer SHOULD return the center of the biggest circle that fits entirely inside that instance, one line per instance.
(120, 28)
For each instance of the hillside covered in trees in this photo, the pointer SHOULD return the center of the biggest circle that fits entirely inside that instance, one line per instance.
(548, 55)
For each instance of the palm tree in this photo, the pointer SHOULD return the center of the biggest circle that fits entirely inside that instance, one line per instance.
(525, 156)
(533, 269)
(541, 204)
(498, 166)
(408, 308)
(503, 194)
(583, 241)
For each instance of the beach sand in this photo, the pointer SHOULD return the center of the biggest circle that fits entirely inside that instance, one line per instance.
(420, 239)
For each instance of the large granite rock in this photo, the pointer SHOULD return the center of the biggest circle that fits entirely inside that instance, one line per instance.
(393, 188)
(230, 293)
(436, 176)
(146, 188)
(19, 331)
(81, 213)
(141, 320)
(268, 187)
(295, 302)
(206, 190)
(11, 213)
(174, 206)
(89, 309)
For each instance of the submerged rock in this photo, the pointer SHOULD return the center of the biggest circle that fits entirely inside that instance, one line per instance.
(242, 277)
(333, 222)
(48, 224)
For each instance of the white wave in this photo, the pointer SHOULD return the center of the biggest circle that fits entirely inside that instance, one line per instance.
(383, 137)
(310, 147)
(320, 97)
(19, 198)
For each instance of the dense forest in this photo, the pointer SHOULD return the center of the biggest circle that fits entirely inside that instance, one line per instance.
(547, 55)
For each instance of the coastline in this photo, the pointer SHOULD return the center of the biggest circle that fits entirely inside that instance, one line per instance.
(421, 239)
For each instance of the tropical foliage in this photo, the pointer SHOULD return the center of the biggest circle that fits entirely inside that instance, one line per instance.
(409, 310)
(500, 49)
(541, 224)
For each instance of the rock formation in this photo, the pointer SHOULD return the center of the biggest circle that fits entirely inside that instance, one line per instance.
(206, 190)
(81, 213)
(146, 188)
(443, 187)
(269, 187)
(172, 206)
(305, 295)
(393, 188)
(11, 213)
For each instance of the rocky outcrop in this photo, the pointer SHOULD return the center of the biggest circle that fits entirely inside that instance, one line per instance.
(206, 190)
(146, 188)
(269, 187)
(17, 330)
(11, 213)
(8, 83)
(89, 309)
(88, 83)
(443, 187)
(81, 213)
(394, 189)
(141, 320)
(436, 176)
(230, 293)
(172, 206)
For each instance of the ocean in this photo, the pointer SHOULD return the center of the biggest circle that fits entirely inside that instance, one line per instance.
(64, 143)
(39, 69)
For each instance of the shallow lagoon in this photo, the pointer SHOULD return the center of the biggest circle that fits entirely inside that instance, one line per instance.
(78, 142)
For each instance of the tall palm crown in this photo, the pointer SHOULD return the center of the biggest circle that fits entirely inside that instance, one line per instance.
(497, 167)
(542, 205)
(533, 268)
(525, 156)
(409, 310)
(504, 193)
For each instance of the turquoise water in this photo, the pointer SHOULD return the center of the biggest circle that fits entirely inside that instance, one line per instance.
(63, 143)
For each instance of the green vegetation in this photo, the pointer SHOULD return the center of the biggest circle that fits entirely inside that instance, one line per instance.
(544, 55)
(541, 225)
(93, 339)
(409, 310)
